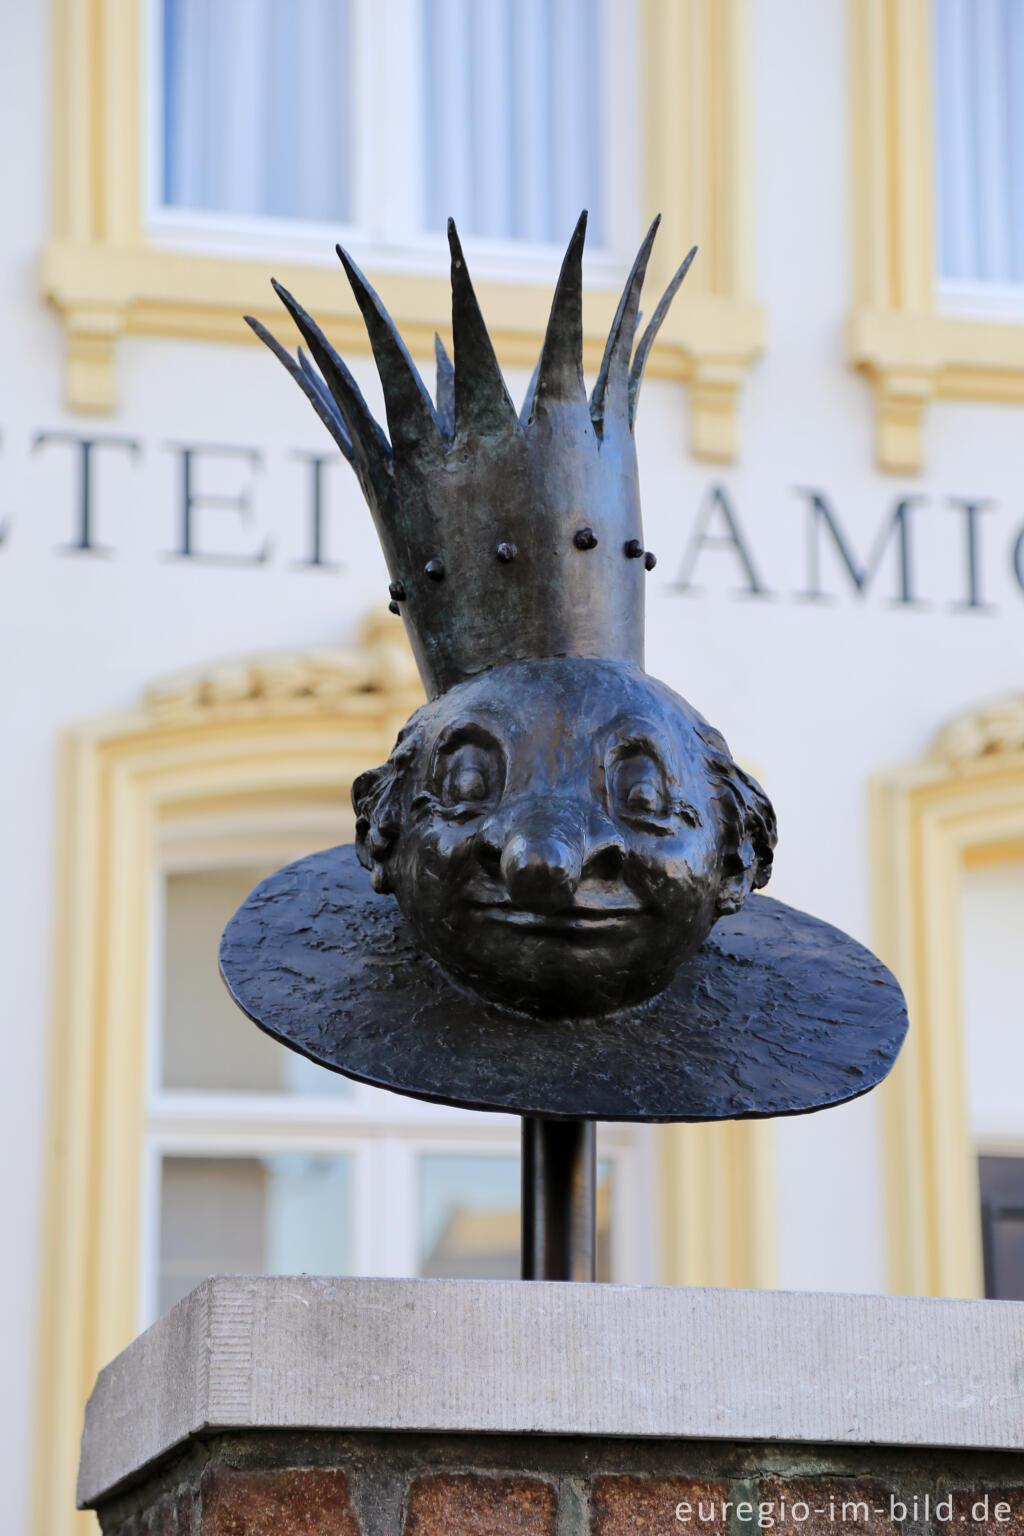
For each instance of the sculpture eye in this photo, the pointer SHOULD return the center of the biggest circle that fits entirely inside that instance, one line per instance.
(638, 788)
(471, 775)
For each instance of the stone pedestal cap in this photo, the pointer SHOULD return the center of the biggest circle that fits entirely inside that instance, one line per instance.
(507, 1357)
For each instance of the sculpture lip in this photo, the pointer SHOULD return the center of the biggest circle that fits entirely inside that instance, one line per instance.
(567, 920)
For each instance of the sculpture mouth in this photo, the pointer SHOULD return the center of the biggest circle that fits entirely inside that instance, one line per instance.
(572, 922)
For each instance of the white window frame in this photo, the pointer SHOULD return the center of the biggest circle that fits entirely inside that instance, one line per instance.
(387, 233)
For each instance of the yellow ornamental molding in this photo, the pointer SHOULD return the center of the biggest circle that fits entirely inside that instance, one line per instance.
(320, 680)
(108, 276)
(933, 819)
(258, 736)
(911, 353)
(991, 731)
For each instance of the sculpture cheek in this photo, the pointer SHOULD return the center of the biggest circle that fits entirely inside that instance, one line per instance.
(441, 855)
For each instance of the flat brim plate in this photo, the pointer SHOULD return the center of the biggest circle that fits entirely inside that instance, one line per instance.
(777, 1014)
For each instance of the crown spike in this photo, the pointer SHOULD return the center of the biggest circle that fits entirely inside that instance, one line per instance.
(482, 403)
(560, 371)
(307, 382)
(314, 379)
(505, 537)
(445, 388)
(610, 396)
(371, 451)
(636, 372)
(412, 420)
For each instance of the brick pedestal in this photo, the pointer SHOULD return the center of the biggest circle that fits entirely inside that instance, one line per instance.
(415, 1408)
(403, 1485)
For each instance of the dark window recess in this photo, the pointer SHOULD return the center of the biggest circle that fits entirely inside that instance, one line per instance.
(1002, 1226)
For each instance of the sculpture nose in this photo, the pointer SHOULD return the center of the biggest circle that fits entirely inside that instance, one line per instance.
(541, 869)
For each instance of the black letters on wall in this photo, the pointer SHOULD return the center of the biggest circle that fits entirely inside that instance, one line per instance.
(717, 542)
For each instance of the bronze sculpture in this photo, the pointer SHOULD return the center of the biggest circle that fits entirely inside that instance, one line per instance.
(559, 849)
(561, 832)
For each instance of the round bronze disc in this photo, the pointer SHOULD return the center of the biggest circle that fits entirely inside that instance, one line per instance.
(778, 1013)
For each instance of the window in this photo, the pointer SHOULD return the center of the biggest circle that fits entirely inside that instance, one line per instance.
(160, 233)
(299, 123)
(938, 209)
(992, 920)
(979, 143)
(949, 849)
(257, 1161)
(257, 107)
(1002, 1226)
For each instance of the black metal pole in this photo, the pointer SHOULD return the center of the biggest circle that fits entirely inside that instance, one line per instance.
(559, 1209)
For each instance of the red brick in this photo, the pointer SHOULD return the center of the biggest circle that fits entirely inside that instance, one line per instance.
(842, 1506)
(467, 1504)
(965, 1501)
(307, 1501)
(646, 1506)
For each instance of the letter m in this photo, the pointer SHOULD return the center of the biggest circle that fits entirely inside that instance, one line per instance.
(853, 1511)
(822, 520)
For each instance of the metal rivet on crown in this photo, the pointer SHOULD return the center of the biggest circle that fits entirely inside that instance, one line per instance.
(650, 560)
(633, 549)
(393, 607)
(435, 570)
(585, 538)
(397, 590)
(506, 551)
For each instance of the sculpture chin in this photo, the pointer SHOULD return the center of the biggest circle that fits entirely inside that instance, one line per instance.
(577, 963)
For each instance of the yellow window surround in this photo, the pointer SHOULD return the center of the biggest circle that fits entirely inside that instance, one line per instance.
(256, 736)
(932, 819)
(262, 736)
(107, 277)
(910, 352)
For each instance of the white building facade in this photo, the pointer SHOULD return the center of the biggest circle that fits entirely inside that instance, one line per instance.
(198, 656)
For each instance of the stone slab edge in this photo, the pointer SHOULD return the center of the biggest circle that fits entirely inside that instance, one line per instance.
(507, 1357)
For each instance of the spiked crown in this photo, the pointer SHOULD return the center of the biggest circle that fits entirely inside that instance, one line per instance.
(507, 535)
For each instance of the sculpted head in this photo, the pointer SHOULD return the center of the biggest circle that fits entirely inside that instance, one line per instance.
(562, 834)
(560, 830)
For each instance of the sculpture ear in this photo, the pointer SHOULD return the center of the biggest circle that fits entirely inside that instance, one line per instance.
(749, 842)
(369, 791)
(377, 798)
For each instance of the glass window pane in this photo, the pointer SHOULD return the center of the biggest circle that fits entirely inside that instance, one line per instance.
(979, 140)
(208, 1043)
(257, 109)
(512, 97)
(1002, 1222)
(992, 967)
(286, 1214)
(469, 1217)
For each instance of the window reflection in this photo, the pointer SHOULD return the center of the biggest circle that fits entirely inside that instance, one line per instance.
(283, 1214)
(469, 1217)
(208, 1043)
